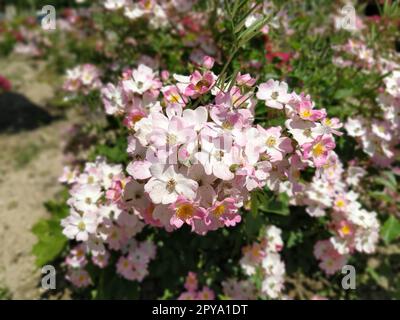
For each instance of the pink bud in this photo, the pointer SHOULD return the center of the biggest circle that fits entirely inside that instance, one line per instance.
(164, 75)
(208, 62)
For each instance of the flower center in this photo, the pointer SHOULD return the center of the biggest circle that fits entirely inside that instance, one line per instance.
(219, 210)
(81, 226)
(185, 211)
(340, 203)
(271, 141)
(318, 149)
(147, 5)
(171, 138)
(274, 95)
(82, 278)
(307, 132)
(136, 117)
(306, 113)
(328, 122)
(125, 264)
(171, 184)
(139, 84)
(345, 229)
(174, 98)
(202, 83)
(218, 155)
(227, 125)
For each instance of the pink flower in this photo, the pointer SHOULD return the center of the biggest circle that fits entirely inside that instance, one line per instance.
(331, 260)
(274, 93)
(185, 212)
(208, 62)
(173, 95)
(206, 294)
(101, 260)
(191, 282)
(126, 268)
(221, 213)
(344, 228)
(319, 150)
(199, 84)
(245, 80)
(77, 257)
(188, 296)
(304, 107)
(270, 143)
(80, 278)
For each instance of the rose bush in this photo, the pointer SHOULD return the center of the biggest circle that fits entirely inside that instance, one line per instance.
(235, 150)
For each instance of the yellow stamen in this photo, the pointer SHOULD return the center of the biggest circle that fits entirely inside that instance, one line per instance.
(271, 141)
(219, 210)
(318, 150)
(306, 113)
(81, 226)
(345, 229)
(185, 211)
(340, 203)
(171, 185)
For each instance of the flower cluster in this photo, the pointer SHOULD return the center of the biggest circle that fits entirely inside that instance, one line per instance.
(82, 79)
(379, 137)
(239, 289)
(196, 165)
(100, 218)
(192, 291)
(155, 11)
(359, 55)
(353, 228)
(265, 257)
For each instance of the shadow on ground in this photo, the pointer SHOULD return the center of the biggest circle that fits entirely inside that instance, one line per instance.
(17, 113)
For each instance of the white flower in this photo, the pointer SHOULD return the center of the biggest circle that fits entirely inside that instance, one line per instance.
(341, 245)
(272, 286)
(166, 185)
(79, 227)
(393, 84)
(141, 81)
(303, 131)
(84, 197)
(355, 127)
(315, 211)
(354, 175)
(274, 239)
(114, 4)
(274, 93)
(109, 172)
(366, 240)
(363, 218)
(273, 265)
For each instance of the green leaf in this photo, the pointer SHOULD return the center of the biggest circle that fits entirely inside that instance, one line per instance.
(380, 195)
(278, 205)
(390, 230)
(51, 241)
(343, 93)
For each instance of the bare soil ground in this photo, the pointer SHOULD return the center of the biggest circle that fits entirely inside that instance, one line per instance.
(30, 163)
